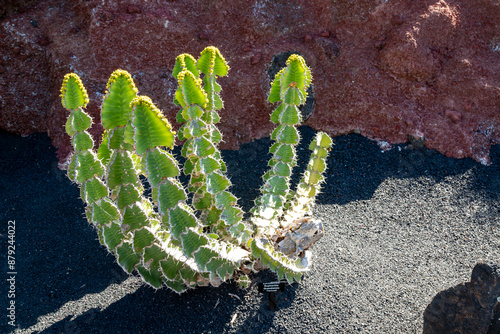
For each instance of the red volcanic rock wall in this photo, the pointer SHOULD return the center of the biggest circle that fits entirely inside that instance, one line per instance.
(385, 69)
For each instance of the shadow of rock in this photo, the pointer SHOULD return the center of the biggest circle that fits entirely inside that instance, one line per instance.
(470, 307)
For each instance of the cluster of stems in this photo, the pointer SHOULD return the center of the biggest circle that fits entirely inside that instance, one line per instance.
(169, 238)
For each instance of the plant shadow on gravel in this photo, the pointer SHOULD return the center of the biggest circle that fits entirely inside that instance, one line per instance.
(357, 166)
(59, 259)
(203, 310)
(56, 250)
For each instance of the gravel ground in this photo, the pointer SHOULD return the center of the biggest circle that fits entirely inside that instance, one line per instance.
(400, 226)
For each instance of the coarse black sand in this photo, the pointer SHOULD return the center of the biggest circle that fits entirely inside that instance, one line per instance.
(400, 226)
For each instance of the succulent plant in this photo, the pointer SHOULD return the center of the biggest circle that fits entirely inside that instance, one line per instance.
(167, 237)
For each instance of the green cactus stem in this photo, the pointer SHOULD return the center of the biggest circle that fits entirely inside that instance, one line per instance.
(73, 93)
(310, 184)
(283, 266)
(121, 176)
(204, 163)
(212, 64)
(85, 167)
(137, 239)
(290, 89)
(151, 132)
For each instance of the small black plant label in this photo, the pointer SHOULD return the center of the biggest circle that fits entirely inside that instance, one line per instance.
(272, 288)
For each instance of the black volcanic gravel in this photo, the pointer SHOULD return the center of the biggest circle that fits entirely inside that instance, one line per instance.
(400, 226)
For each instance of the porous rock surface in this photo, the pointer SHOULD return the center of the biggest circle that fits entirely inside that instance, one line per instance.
(471, 307)
(386, 69)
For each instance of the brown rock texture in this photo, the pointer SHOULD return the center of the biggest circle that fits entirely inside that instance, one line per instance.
(470, 307)
(385, 69)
